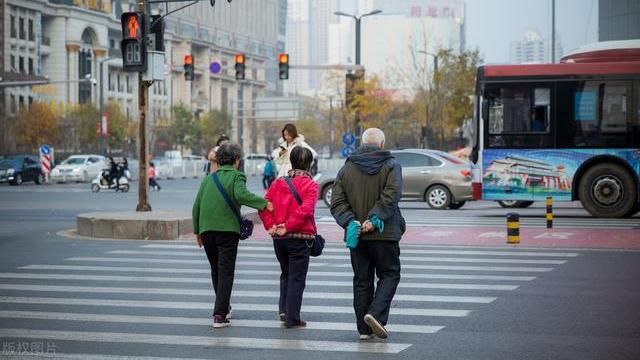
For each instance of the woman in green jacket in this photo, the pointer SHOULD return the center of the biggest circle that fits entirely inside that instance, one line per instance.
(217, 228)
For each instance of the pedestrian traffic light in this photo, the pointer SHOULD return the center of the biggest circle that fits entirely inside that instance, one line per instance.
(157, 30)
(188, 68)
(240, 66)
(133, 44)
(284, 66)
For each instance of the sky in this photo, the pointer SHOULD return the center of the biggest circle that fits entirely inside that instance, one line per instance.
(493, 24)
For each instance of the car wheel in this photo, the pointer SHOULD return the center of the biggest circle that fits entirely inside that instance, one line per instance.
(607, 190)
(17, 180)
(457, 205)
(634, 210)
(524, 204)
(40, 179)
(438, 197)
(326, 194)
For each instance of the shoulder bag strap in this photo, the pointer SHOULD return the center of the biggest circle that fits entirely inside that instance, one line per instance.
(293, 190)
(226, 197)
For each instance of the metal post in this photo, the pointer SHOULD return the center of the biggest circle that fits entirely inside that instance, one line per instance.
(143, 92)
(330, 127)
(358, 41)
(102, 147)
(553, 31)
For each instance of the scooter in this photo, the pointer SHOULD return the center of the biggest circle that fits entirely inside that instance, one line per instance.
(101, 182)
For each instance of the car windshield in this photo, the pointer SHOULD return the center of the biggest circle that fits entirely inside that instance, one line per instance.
(74, 161)
(7, 162)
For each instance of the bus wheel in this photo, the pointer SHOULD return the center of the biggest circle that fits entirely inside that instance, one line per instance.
(515, 203)
(634, 210)
(607, 190)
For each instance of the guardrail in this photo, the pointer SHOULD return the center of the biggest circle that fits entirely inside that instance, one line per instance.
(180, 169)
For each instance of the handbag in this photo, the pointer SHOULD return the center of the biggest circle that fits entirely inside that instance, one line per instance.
(317, 244)
(246, 225)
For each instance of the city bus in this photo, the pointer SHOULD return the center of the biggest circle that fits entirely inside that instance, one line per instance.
(569, 130)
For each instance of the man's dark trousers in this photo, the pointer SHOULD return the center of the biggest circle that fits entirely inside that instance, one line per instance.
(369, 258)
(222, 249)
(293, 256)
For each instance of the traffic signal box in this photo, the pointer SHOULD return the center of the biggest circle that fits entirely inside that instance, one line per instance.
(240, 66)
(283, 66)
(188, 68)
(133, 44)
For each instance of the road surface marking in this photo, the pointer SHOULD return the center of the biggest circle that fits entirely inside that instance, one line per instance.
(207, 341)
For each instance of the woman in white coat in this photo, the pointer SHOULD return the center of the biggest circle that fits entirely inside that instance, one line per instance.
(290, 139)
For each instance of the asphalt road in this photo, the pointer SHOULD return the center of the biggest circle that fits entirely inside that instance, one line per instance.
(91, 299)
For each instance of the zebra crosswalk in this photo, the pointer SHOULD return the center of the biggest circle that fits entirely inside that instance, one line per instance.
(139, 300)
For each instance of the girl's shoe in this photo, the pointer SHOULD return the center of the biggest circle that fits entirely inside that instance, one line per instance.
(365, 337)
(281, 316)
(220, 322)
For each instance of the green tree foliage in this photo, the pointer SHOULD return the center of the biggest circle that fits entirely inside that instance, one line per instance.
(183, 127)
(312, 131)
(82, 126)
(210, 126)
(119, 129)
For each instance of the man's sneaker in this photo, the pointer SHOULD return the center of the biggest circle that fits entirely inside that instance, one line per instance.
(229, 314)
(282, 317)
(375, 325)
(220, 322)
(298, 325)
(365, 337)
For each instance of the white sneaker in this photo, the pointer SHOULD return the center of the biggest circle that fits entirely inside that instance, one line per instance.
(375, 325)
(365, 337)
(230, 314)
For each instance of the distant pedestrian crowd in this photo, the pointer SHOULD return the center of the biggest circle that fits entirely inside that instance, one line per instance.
(364, 203)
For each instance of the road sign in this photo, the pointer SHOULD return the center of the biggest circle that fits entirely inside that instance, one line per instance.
(215, 67)
(45, 150)
(348, 138)
(347, 150)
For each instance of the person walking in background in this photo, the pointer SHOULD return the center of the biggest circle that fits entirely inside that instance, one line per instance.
(217, 228)
(364, 202)
(292, 224)
(269, 173)
(152, 177)
(290, 139)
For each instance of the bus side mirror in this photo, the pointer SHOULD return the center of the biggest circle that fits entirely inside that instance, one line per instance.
(485, 109)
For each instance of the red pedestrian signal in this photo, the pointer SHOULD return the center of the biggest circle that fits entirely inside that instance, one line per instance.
(189, 74)
(133, 45)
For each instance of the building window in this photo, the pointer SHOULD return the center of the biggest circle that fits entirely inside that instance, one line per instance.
(119, 84)
(112, 43)
(110, 81)
(13, 106)
(13, 27)
(13, 63)
(30, 100)
(21, 28)
(32, 35)
(20, 102)
(21, 65)
(31, 67)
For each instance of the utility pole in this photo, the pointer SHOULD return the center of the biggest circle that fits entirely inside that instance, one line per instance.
(102, 139)
(553, 31)
(143, 92)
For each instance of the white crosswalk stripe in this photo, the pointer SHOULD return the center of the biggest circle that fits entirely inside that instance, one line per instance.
(500, 222)
(123, 286)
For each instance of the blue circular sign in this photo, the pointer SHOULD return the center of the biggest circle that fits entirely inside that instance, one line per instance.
(44, 149)
(347, 150)
(348, 138)
(215, 67)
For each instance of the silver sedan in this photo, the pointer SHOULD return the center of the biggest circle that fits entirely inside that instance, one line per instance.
(440, 179)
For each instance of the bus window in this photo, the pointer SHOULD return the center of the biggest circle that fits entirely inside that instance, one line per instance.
(519, 116)
(600, 115)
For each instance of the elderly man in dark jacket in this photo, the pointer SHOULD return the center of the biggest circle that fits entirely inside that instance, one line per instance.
(366, 192)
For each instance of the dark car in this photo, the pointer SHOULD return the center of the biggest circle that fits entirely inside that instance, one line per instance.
(440, 179)
(20, 168)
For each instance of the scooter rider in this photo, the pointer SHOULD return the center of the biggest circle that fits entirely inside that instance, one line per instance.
(115, 173)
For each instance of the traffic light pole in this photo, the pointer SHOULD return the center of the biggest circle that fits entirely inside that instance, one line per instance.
(143, 161)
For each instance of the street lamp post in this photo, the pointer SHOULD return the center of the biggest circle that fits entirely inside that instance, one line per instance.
(102, 145)
(425, 134)
(358, 20)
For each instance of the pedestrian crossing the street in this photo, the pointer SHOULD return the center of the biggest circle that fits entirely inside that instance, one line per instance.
(454, 220)
(154, 300)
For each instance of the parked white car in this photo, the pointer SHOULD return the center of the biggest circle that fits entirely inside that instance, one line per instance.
(79, 168)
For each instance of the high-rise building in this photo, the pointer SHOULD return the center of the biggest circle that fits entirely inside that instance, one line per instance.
(618, 20)
(533, 49)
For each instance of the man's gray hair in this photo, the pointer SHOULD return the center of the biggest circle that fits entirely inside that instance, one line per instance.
(373, 136)
(228, 153)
